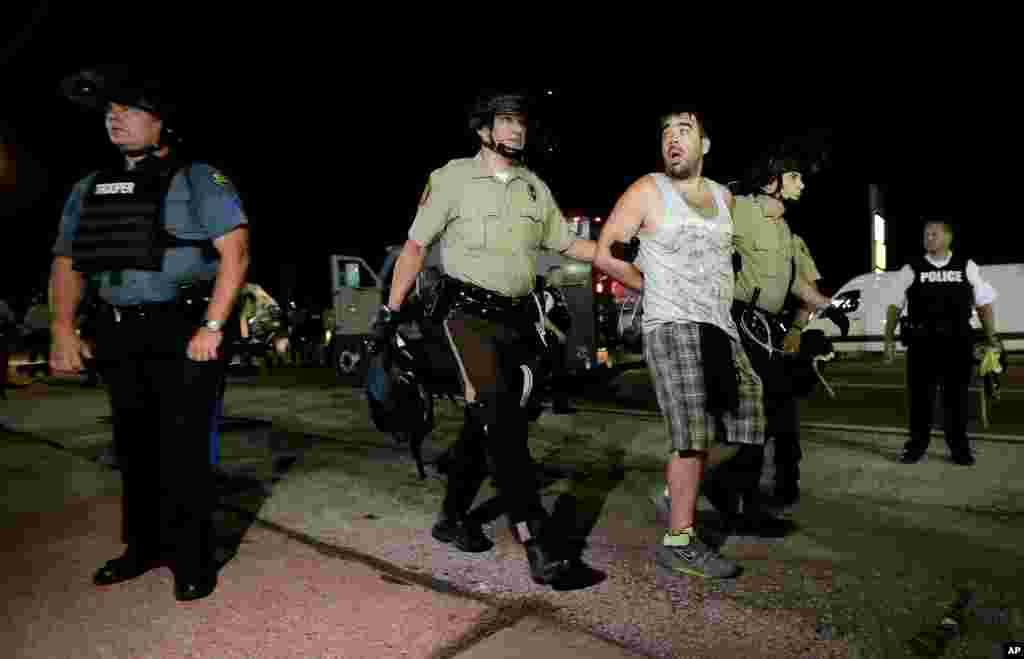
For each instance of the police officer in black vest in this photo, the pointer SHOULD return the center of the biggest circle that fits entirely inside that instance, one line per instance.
(940, 290)
(166, 244)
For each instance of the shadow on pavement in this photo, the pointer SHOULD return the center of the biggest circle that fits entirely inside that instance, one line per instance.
(575, 513)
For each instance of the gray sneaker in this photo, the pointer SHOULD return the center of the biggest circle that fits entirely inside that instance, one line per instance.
(697, 559)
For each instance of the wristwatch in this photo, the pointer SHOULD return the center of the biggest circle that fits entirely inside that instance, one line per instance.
(213, 325)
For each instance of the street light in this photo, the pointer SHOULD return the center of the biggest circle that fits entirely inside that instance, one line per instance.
(876, 207)
(878, 243)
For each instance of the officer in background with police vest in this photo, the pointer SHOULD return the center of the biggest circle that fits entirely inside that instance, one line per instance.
(167, 243)
(938, 291)
(775, 266)
(491, 213)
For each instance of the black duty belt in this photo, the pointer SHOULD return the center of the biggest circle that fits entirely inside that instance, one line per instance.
(191, 303)
(142, 311)
(457, 295)
(739, 306)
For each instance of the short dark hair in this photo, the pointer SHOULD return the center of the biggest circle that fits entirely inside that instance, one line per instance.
(946, 223)
(673, 109)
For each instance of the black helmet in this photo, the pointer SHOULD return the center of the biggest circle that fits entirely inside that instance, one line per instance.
(807, 156)
(491, 103)
(95, 90)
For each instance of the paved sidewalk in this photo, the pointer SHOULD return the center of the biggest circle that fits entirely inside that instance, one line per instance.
(336, 559)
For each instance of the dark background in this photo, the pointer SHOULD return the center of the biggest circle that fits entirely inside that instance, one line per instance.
(330, 140)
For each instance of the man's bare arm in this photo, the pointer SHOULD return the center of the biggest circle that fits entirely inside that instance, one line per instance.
(625, 220)
(987, 316)
(67, 286)
(809, 293)
(68, 349)
(233, 248)
(582, 249)
(407, 268)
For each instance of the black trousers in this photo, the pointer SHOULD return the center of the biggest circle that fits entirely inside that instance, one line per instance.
(782, 425)
(494, 438)
(559, 375)
(162, 403)
(949, 364)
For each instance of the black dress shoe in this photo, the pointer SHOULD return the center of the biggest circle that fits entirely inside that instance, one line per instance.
(471, 538)
(124, 568)
(963, 459)
(468, 536)
(188, 589)
(785, 497)
(910, 457)
(445, 529)
(545, 568)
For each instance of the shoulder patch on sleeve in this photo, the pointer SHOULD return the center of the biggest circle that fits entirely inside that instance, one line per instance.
(219, 178)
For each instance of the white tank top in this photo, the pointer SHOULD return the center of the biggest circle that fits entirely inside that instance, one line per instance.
(687, 264)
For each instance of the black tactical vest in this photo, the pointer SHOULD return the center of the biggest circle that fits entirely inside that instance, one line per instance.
(941, 299)
(121, 224)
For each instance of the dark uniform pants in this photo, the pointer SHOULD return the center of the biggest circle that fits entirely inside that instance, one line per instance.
(782, 427)
(949, 364)
(162, 403)
(492, 356)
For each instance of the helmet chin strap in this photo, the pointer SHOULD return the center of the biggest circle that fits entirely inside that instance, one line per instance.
(504, 150)
(146, 151)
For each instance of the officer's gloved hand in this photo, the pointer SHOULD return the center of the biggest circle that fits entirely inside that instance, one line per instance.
(626, 251)
(837, 316)
(384, 327)
(991, 362)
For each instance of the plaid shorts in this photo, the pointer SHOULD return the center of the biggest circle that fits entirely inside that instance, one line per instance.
(673, 355)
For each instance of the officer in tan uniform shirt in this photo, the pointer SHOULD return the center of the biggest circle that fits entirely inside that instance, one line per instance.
(775, 266)
(491, 214)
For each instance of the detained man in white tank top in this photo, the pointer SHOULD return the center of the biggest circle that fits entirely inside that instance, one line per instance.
(702, 377)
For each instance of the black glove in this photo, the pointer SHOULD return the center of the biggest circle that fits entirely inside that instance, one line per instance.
(384, 327)
(838, 317)
(626, 251)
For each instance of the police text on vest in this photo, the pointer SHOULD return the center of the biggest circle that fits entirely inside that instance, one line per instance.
(115, 188)
(942, 276)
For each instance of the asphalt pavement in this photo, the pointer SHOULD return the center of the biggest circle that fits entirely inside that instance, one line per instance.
(324, 535)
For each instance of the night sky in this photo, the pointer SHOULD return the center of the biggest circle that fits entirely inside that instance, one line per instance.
(330, 142)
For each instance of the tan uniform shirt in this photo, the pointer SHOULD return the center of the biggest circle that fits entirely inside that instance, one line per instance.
(767, 248)
(805, 265)
(490, 230)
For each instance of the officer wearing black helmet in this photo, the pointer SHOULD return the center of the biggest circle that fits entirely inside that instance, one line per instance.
(775, 268)
(490, 213)
(165, 242)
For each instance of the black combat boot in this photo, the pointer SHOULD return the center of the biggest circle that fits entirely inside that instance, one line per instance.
(546, 567)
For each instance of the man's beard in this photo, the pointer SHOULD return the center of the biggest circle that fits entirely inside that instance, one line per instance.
(682, 170)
